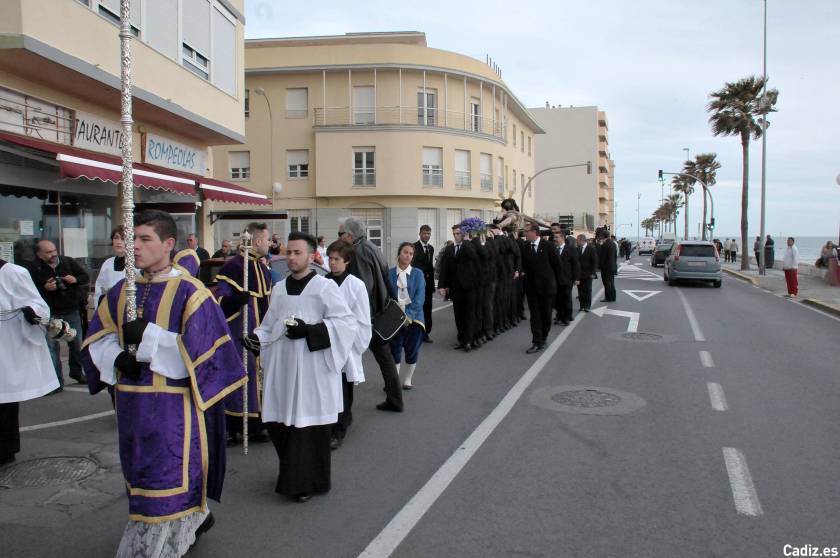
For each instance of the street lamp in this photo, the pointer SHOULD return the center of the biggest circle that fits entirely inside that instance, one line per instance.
(276, 187)
(587, 164)
(638, 223)
(762, 270)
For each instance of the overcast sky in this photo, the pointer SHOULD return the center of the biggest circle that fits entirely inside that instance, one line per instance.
(650, 64)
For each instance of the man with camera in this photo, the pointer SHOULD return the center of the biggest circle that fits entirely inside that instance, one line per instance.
(62, 281)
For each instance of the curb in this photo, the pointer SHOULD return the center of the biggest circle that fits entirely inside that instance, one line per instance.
(824, 306)
(741, 276)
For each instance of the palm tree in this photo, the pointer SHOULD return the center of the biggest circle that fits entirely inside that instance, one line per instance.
(738, 110)
(682, 185)
(704, 167)
(648, 224)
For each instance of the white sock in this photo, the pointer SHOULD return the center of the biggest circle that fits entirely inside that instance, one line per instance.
(398, 368)
(408, 374)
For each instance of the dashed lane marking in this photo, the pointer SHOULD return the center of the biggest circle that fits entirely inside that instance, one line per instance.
(630, 271)
(692, 320)
(717, 397)
(65, 422)
(740, 480)
(706, 359)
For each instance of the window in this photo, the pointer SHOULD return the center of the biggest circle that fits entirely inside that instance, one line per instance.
(529, 146)
(195, 50)
(486, 163)
(110, 10)
(514, 135)
(364, 169)
(224, 50)
(240, 164)
(298, 163)
(374, 219)
(432, 166)
(522, 141)
(426, 107)
(462, 169)
(363, 105)
(475, 114)
(297, 103)
(161, 29)
(299, 220)
(500, 174)
(247, 103)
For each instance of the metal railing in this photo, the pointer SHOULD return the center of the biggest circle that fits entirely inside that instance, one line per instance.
(364, 178)
(433, 177)
(407, 116)
(486, 182)
(463, 180)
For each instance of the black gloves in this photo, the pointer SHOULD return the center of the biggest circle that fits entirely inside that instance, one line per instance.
(232, 303)
(127, 364)
(30, 316)
(133, 331)
(297, 331)
(252, 343)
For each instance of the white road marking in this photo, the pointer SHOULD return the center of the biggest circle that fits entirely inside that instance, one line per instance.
(743, 489)
(65, 422)
(632, 325)
(641, 295)
(77, 389)
(692, 320)
(717, 397)
(441, 307)
(630, 271)
(706, 359)
(387, 541)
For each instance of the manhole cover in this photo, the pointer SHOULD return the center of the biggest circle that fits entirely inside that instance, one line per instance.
(586, 398)
(639, 336)
(47, 471)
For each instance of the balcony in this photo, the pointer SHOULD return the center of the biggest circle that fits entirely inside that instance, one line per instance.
(463, 180)
(364, 179)
(408, 116)
(486, 182)
(432, 176)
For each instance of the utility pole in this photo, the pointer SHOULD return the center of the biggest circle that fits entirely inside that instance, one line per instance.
(762, 269)
(638, 223)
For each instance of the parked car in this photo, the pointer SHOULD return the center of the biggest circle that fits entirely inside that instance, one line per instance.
(696, 260)
(646, 245)
(660, 254)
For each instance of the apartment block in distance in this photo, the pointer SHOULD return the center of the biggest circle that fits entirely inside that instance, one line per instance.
(378, 126)
(60, 130)
(575, 135)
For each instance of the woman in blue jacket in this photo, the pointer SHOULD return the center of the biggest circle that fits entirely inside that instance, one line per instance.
(411, 292)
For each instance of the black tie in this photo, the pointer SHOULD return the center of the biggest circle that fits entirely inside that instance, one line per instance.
(457, 246)
(427, 250)
(535, 247)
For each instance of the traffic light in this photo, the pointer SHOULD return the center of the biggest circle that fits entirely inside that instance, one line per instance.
(712, 223)
(660, 174)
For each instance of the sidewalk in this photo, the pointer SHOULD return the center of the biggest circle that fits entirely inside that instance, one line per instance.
(813, 290)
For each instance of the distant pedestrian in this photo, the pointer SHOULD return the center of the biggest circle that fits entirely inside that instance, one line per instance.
(112, 269)
(733, 251)
(608, 265)
(192, 243)
(225, 251)
(726, 250)
(568, 276)
(424, 260)
(588, 271)
(790, 265)
(322, 259)
(718, 246)
(769, 252)
(757, 250)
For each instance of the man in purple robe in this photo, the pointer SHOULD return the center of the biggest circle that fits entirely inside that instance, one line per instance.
(232, 298)
(171, 430)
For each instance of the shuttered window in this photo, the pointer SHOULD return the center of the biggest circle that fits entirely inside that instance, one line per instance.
(462, 169)
(162, 26)
(432, 168)
(240, 164)
(224, 51)
(486, 162)
(297, 103)
(363, 105)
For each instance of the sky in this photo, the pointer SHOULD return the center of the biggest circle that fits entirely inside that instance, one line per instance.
(650, 64)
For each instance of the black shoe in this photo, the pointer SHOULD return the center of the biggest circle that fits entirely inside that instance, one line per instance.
(477, 344)
(79, 378)
(605, 300)
(205, 526)
(386, 406)
(564, 323)
(458, 347)
(59, 389)
(301, 498)
(258, 438)
(533, 349)
(8, 459)
(335, 443)
(586, 309)
(407, 387)
(468, 348)
(427, 340)
(556, 320)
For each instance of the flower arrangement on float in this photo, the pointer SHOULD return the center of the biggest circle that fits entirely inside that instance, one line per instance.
(473, 227)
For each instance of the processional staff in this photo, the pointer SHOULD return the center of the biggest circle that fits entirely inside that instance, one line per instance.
(127, 162)
(246, 248)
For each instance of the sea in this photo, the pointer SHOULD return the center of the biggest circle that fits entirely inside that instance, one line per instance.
(809, 246)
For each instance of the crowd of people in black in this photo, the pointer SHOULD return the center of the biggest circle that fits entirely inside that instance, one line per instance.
(490, 275)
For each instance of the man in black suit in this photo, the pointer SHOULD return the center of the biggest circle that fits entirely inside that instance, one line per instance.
(567, 275)
(424, 260)
(459, 280)
(607, 260)
(588, 271)
(540, 267)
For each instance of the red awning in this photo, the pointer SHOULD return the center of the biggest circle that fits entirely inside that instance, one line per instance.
(218, 190)
(78, 163)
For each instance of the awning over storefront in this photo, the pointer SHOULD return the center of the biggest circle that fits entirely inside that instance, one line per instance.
(218, 190)
(78, 163)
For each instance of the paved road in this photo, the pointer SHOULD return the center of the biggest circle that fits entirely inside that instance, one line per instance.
(524, 476)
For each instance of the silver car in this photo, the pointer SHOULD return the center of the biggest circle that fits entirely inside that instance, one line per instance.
(694, 260)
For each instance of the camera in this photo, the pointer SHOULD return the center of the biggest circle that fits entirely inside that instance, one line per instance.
(59, 284)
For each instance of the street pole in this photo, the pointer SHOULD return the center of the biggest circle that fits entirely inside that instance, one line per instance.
(261, 92)
(661, 202)
(638, 224)
(762, 269)
(685, 216)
